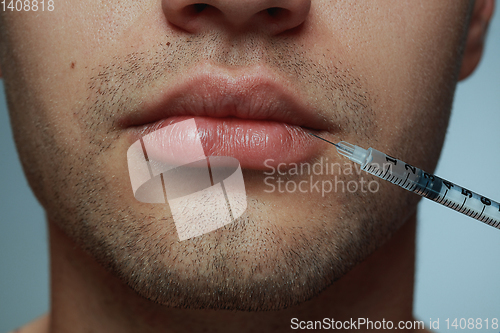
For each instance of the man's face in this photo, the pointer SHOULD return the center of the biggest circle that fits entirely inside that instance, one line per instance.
(86, 80)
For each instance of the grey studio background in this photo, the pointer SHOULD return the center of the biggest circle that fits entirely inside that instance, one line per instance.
(458, 264)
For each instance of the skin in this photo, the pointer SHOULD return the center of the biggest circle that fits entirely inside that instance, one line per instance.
(373, 69)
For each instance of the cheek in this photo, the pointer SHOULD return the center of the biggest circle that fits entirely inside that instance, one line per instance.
(46, 62)
(411, 65)
(52, 52)
(408, 55)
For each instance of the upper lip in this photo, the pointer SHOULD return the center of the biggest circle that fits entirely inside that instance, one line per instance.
(209, 92)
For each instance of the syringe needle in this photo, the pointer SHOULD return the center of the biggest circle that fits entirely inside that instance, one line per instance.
(341, 147)
(332, 143)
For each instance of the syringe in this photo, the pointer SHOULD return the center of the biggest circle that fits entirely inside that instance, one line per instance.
(422, 183)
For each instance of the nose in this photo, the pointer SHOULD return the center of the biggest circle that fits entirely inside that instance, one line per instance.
(271, 16)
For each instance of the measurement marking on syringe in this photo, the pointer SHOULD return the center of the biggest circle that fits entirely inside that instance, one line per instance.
(386, 171)
(463, 203)
(439, 199)
(446, 202)
(406, 179)
(399, 182)
(487, 219)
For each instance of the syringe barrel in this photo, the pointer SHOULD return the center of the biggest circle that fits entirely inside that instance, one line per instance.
(432, 187)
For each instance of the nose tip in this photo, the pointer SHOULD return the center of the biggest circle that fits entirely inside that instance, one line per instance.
(271, 16)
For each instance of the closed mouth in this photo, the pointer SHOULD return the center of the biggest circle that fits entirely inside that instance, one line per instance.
(253, 118)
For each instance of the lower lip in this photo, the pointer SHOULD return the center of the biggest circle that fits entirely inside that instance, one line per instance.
(256, 144)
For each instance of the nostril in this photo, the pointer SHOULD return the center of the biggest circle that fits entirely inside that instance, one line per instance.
(199, 7)
(274, 11)
(272, 16)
